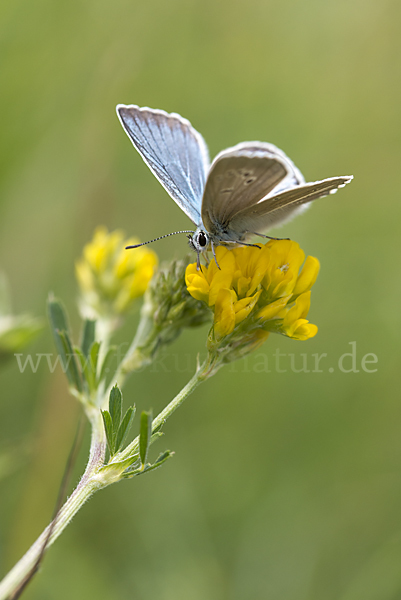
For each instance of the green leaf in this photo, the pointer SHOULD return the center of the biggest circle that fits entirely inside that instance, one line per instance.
(88, 336)
(94, 356)
(115, 407)
(86, 368)
(106, 363)
(125, 427)
(156, 436)
(81, 357)
(144, 435)
(156, 429)
(108, 427)
(57, 315)
(128, 462)
(58, 322)
(161, 459)
(21, 330)
(70, 364)
(119, 468)
(130, 474)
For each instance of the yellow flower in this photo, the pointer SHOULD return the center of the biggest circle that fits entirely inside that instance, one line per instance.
(307, 276)
(206, 283)
(257, 290)
(286, 257)
(110, 277)
(224, 313)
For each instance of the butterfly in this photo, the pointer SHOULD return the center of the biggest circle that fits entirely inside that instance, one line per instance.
(245, 190)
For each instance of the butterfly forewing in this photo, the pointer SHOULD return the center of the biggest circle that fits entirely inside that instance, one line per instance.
(278, 208)
(174, 151)
(240, 177)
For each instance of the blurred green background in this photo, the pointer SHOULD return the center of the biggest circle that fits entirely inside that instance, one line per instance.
(285, 486)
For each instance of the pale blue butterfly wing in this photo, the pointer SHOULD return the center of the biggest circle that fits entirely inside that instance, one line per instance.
(278, 207)
(247, 189)
(174, 151)
(239, 178)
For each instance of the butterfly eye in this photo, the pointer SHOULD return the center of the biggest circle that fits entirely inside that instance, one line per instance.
(202, 240)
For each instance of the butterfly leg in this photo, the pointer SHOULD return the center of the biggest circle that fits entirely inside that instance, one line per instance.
(250, 245)
(267, 236)
(214, 255)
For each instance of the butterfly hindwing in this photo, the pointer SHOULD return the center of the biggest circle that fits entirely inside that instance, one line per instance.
(278, 208)
(240, 177)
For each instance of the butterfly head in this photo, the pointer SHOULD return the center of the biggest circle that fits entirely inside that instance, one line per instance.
(199, 241)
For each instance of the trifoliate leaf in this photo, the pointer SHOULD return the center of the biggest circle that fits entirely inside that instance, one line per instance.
(160, 460)
(118, 470)
(124, 427)
(115, 408)
(108, 428)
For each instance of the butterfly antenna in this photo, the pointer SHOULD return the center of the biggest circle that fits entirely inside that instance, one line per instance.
(156, 239)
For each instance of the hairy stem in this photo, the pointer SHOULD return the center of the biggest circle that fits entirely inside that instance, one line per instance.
(89, 484)
(85, 488)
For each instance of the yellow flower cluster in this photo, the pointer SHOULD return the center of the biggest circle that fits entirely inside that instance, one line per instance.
(110, 277)
(257, 290)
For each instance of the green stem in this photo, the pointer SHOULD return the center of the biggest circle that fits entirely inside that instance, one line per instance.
(201, 374)
(90, 483)
(84, 490)
(134, 358)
